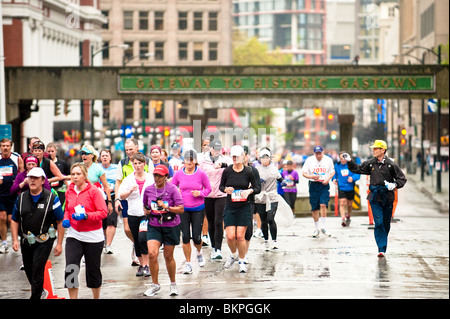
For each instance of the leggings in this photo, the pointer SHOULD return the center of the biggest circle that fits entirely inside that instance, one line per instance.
(214, 214)
(139, 237)
(268, 220)
(194, 219)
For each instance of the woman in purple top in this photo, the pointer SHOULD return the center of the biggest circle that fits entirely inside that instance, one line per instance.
(20, 184)
(162, 203)
(291, 178)
(194, 186)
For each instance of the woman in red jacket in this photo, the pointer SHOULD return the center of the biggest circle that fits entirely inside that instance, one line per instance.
(84, 211)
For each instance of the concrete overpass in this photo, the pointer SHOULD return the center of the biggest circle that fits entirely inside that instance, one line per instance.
(223, 85)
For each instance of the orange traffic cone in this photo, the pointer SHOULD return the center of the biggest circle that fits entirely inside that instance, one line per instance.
(48, 282)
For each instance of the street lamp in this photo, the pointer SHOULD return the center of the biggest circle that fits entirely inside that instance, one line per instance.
(93, 54)
(438, 116)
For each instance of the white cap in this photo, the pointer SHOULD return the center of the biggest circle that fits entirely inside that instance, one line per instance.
(36, 172)
(264, 152)
(236, 150)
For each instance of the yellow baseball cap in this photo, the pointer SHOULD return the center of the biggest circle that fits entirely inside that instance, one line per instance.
(379, 144)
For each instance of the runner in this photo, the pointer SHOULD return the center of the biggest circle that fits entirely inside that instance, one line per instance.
(345, 180)
(235, 181)
(291, 178)
(319, 170)
(163, 204)
(194, 187)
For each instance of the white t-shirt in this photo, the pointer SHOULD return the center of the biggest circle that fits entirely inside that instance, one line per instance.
(324, 168)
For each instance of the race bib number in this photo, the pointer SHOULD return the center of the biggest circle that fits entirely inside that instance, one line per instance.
(236, 196)
(321, 171)
(6, 170)
(157, 209)
(143, 225)
(344, 172)
(289, 183)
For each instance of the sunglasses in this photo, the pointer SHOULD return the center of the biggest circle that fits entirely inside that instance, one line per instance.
(85, 153)
(39, 148)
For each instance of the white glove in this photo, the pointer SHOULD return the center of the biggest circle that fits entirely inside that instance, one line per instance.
(390, 186)
(347, 157)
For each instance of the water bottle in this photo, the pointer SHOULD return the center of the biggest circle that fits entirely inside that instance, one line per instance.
(31, 238)
(52, 231)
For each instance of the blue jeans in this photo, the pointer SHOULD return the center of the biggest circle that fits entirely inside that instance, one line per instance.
(382, 217)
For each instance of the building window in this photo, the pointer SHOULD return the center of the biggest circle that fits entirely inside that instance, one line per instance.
(213, 21)
(340, 52)
(128, 54)
(213, 51)
(143, 50)
(159, 20)
(143, 20)
(128, 20)
(198, 51)
(182, 51)
(182, 20)
(159, 51)
(129, 109)
(105, 52)
(427, 22)
(105, 26)
(198, 21)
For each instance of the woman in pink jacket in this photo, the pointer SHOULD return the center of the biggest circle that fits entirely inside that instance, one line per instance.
(213, 163)
(84, 211)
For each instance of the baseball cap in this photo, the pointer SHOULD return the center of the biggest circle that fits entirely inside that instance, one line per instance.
(36, 172)
(264, 152)
(318, 149)
(39, 145)
(216, 145)
(161, 170)
(379, 144)
(236, 150)
(176, 146)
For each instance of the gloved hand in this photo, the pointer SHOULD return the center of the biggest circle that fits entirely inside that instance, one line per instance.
(347, 157)
(66, 223)
(390, 186)
(79, 216)
(283, 184)
(262, 181)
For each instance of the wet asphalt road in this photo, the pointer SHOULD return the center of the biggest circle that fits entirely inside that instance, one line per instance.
(344, 265)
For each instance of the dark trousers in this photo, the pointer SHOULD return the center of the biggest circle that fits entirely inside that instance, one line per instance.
(268, 220)
(92, 252)
(214, 214)
(382, 215)
(34, 259)
(139, 237)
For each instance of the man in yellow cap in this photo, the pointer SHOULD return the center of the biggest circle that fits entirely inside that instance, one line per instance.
(385, 177)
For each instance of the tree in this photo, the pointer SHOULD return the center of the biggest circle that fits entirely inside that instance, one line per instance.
(253, 52)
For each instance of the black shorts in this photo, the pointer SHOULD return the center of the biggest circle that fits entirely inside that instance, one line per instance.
(7, 204)
(169, 236)
(348, 195)
(238, 216)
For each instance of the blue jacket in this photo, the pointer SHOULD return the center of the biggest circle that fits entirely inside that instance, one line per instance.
(342, 174)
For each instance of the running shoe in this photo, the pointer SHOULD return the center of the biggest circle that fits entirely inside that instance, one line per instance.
(230, 262)
(134, 259)
(173, 289)
(140, 271)
(316, 234)
(242, 267)
(216, 255)
(187, 269)
(274, 245)
(201, 260)
(153, 290)
(348, 221)
(3, 248)
(146, 271)
(108, 250)
(324, 231)
(266, 244)
(343, 223)
(381, 254)
(205, 241)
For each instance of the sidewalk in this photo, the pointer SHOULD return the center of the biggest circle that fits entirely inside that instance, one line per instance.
(428, 187)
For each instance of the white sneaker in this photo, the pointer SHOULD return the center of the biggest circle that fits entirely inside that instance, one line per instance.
(324, 231)
(242, 267)
(230, 262)
(108, 250)
(205, 241)
(216, 255)
(266, 244)
(3, 248)
(153, 290)
(134, 259)
(274, 245)
(201, 260)
(173, 289)
(316, 234)
(187, 270)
